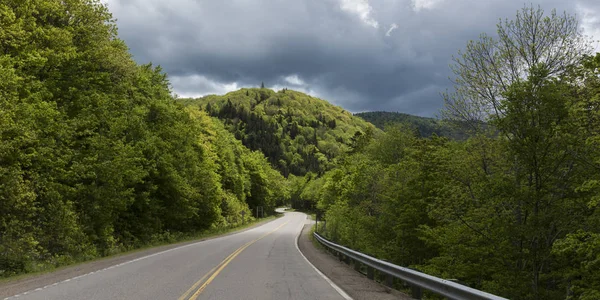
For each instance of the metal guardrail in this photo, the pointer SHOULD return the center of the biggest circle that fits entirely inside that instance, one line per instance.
(417, 280)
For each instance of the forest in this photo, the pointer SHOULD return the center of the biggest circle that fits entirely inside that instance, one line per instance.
(98, 156)
(299, 134)
(513, 209)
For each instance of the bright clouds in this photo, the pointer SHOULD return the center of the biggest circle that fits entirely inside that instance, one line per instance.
(425, 4)
(590, 22)
(294, 79)
(362, 9)
(197, 86)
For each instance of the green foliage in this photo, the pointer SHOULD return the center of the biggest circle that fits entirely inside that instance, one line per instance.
(95, 154)
(296, 132)
(489, 66)
(580, 253)
(96, 157)
(376, 200)
(512, 210)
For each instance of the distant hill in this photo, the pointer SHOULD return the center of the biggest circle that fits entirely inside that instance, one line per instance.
(425, 126)
(297, 132)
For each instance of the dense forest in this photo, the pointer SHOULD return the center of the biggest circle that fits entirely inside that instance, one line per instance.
(512, 210)
(96, 156)
(424, 127)
(296, 132)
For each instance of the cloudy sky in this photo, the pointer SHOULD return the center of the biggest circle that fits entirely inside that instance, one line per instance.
(363, 55)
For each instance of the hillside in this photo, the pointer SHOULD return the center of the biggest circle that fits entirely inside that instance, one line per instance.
(96, 155)
(298, 133)
(425, 126)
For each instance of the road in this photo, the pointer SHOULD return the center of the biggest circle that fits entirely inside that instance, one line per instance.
(261, 263)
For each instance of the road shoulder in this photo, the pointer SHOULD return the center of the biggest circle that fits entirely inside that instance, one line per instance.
(355, 284)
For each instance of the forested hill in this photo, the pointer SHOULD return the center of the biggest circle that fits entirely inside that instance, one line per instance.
(96, 157)
(298, 133)
(424, 126)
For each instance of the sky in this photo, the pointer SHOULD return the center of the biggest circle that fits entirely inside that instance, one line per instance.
(363, 55)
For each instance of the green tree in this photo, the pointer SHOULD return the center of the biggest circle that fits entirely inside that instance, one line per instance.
(489, 67)
(515, 83)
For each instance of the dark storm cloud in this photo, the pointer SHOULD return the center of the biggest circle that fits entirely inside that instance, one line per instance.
(346, 51)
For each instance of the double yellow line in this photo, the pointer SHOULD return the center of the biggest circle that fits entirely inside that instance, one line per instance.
(217, 269)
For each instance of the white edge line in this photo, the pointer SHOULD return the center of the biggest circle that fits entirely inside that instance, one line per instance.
(335, 286)
(141, 258)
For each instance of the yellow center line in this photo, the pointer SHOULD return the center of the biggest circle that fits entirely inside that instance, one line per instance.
(218, 268)
(206, 275)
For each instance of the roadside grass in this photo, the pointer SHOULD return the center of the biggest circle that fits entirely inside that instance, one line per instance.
(200, 236)
(314, 240)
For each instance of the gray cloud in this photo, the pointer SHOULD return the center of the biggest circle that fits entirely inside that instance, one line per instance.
(339, 50)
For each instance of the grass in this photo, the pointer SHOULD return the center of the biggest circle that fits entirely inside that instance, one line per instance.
(314, 240)
(188, 238)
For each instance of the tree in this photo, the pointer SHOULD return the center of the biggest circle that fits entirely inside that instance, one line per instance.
(519, 85)
(490, 66)
(262, 85)
(579, 252)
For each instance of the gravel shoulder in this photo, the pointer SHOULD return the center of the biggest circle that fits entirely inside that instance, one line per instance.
(355, 284)
(19, 285)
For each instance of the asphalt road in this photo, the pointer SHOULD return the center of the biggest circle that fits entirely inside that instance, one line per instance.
(261, 263)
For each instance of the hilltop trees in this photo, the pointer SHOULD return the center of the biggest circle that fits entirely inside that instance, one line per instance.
(299, 134)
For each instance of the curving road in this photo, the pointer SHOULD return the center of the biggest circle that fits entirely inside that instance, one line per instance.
(261, 263)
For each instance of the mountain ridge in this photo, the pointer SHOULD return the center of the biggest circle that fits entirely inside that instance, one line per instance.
(425, 126)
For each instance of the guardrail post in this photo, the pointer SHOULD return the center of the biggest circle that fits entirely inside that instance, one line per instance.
(389, 280)
(357, 265)
(347, 260)
(417, 292)
(370, 273)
